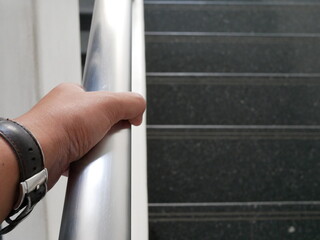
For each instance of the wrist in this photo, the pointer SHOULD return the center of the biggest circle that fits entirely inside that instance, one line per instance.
(52, 141)
(9, 170)
(33, 175)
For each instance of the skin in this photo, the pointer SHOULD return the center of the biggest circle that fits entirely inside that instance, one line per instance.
(67, 122)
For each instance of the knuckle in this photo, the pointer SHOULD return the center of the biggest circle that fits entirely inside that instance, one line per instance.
(66, 86)
(108, 104)
(141, 102)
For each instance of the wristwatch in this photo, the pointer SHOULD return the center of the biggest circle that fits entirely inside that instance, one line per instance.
(33, 174)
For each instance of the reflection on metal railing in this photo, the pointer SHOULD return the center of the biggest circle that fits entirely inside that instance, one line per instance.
(97, 204)
(139, 209)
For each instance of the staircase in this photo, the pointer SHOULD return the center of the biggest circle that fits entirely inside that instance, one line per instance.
(233, 118)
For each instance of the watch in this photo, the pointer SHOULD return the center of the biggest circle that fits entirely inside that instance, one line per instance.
(33, 174)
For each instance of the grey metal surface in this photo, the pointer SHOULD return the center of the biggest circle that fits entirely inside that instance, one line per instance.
(98, 196)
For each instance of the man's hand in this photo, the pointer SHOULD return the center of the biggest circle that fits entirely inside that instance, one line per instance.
(68, 122)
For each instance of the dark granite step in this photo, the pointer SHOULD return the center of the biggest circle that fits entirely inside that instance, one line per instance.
(268, 220)
(217, 16)
(236, 53)
(238, 2)
(233, 99)
(235, 230)
(223, 16)
(233, 164)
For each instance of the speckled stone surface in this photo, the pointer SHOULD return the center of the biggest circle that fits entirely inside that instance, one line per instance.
(236, 54)
(233, 100)
(233, 2)
(227, 165)
(221, 17)
(175, 230)
(235, 230)
(241, 89)
(234, 221)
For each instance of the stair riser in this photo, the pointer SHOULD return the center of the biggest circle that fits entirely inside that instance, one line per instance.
(234, 54)
(235, 230)
(204, 102)
(211, 168)
(232, 18)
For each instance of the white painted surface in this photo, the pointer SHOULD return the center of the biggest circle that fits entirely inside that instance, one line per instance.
(17, 68)
(39, 48)
(58, 42)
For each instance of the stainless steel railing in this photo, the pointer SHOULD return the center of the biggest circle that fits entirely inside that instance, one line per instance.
(98, 198)
(139, 209)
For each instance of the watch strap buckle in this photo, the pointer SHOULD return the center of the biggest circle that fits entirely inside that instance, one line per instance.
(31, 184)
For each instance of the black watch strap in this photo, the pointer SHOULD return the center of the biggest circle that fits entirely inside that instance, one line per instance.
(33, 175)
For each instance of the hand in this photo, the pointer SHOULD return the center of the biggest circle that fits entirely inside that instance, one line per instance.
(68, 122)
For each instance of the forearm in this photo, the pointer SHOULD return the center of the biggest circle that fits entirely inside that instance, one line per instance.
(9, 178)
(61, 125)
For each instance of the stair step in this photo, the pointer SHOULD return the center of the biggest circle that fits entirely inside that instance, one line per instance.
(217, 16)
(272, 220)
(238, 2)
(236, 230)
(224, 16)
(205, 52)
(234, 99)
(233, 164)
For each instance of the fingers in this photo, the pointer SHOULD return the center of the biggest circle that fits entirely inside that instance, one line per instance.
(68, 122)
(123, 106)
(136, 121)
(131, 107)
(73, 87)
(118, 126)
(120, 106)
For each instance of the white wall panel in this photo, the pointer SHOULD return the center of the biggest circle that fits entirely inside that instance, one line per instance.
(18, 77)
(39, 48)
(58, 42)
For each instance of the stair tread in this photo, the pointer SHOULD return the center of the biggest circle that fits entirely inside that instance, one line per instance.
(236, 229)
(232, 54)
(232, 2)
(230, 206)
(235, 2)
(233, 131)
(163, 34)
(230, 167)
(296, 17)
(233, 101)
(183, 75)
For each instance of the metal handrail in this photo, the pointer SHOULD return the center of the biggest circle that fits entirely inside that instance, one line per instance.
(139, 209)
(98, 198)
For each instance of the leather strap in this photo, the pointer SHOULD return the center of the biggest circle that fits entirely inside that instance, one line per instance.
(26, 148)
(33, 175)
